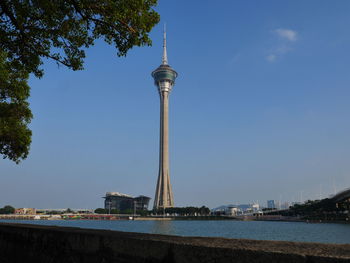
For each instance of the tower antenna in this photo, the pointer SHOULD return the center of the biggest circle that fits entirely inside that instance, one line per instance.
(165, 56)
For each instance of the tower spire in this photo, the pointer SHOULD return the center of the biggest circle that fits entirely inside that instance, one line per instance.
(165, 56)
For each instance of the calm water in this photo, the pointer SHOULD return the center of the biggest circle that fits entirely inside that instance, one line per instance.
(263, 230)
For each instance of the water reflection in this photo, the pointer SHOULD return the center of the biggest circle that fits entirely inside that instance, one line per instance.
(165, 227)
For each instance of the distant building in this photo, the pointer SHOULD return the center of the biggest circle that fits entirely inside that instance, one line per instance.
(248, 208)
(278, 205)
(244, 208)
(25, 211)
(122, 202)
(141, 202)
(232, 210)
(255, 207)
(271, 204)
(285, 205)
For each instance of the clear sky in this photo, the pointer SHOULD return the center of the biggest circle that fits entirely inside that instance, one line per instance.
(260, 111)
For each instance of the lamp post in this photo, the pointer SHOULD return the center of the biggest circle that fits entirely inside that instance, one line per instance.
(134, 208)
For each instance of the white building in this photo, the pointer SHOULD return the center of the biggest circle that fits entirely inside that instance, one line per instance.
(232, 210)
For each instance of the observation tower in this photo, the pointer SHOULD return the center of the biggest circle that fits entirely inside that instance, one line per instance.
(164, 78)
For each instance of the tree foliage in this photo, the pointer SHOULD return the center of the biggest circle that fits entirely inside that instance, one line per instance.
(315, 207)
(54, 212)
(325, 209)
(33, 30)
(15, 115)
(62, 29)
(114, 211)
(186, 211)
(7, 209)
(101, 211)
(69, 211)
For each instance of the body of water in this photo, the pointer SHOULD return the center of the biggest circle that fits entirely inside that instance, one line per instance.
(262, 230)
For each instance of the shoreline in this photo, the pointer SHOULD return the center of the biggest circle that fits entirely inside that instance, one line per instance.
(169, 218)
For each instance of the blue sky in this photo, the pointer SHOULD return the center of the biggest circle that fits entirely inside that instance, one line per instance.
(260, 111)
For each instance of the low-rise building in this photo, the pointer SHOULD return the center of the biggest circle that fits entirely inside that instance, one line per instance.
(25, 211)
(232, 210)
(123, 202)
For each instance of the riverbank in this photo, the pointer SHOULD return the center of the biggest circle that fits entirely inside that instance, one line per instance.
(113, 217)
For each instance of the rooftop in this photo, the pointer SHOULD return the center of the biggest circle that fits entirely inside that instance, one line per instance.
(118, 194)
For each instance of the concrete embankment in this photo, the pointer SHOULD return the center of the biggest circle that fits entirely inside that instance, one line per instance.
(35, 243)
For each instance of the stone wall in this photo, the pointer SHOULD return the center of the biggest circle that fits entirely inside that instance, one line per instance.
(49, 244)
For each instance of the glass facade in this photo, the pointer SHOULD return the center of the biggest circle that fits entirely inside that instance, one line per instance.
(123, 202)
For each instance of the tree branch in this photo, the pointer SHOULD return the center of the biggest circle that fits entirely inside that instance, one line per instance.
(78, 10)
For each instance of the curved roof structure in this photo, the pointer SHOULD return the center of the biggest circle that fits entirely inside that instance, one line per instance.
(117, 194)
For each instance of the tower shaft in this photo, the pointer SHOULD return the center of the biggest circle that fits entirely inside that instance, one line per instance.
(164, 195)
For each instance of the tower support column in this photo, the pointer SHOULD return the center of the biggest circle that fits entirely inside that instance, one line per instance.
(164, 195)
